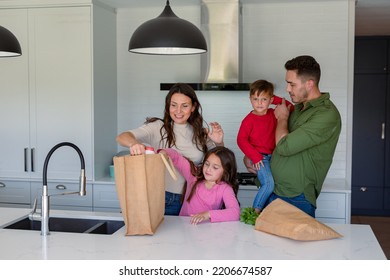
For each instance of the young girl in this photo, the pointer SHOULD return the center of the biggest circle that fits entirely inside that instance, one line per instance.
(211, 194)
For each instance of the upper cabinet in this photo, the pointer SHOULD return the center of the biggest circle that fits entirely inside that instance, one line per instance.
(371, 55)
(15, 99)
(62, 88)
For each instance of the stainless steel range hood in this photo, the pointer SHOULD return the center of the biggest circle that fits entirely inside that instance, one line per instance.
(221, 25)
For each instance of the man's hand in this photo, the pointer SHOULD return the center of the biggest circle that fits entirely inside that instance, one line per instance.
(282, 112)
(249, 166)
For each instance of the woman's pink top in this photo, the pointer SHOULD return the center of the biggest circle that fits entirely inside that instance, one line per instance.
(205, 199)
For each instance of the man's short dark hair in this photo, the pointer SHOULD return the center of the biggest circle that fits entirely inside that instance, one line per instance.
(306, 66)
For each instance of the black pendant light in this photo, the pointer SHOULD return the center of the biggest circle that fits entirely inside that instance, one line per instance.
(9, 45)
(167, 34)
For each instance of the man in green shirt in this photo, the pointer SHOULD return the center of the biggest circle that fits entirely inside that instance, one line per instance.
(306, 140)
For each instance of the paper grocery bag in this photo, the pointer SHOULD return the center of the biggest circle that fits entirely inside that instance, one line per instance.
(140, 185)
(283, 219)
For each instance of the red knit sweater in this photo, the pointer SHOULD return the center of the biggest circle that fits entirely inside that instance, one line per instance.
(257, 133)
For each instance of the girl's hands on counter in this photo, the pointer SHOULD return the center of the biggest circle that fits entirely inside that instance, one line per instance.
(200, 217)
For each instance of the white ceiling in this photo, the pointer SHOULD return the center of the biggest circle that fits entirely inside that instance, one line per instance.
(372, 16)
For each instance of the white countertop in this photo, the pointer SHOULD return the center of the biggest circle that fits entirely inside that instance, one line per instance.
(177, 239)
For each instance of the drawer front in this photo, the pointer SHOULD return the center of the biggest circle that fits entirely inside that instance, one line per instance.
(105, 196)
(55, 189)
(367, 197)
(332, 221)
(15, 192)
(331, 205)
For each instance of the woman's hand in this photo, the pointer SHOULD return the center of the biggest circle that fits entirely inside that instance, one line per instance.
(200, 217)
(216, 133)
(137, 149)
(127, 139)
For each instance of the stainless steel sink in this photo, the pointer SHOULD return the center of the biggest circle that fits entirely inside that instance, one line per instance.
(76, 225)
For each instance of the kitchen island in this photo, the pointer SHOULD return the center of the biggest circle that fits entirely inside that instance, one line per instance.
(177, 239)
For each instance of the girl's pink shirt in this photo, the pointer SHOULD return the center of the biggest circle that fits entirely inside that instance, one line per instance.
(205, 199)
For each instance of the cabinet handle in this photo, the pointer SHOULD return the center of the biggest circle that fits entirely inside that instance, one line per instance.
(2, 185)
(32, 159)
(363, 189)
(61, 187)
(25, 159)
(383, 131)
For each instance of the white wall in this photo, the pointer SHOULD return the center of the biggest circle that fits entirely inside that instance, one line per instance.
(273, 32)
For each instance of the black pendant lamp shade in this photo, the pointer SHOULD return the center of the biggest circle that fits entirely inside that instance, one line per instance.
(9, 45)
(167, 34)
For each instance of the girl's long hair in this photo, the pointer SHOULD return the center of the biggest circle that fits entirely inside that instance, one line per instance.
(229, 165)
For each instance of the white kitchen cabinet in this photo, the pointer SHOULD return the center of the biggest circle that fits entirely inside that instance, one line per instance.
(62, 89)
(333, 204)
(334, 207)
(14, 100)
(105, 198)
(15, 193)
(52, 101)
(65, 202)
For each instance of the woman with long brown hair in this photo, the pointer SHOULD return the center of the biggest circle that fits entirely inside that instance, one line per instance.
(181, 128)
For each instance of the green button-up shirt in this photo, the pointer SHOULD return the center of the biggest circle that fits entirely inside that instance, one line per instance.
(302, 159)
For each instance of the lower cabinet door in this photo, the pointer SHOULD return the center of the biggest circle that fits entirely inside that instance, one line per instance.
(367, 200)
(15, 192)
(105, 198)
(331, 206)
(387, 199)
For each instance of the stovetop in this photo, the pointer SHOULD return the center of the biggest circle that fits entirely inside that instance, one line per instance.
(246, 178)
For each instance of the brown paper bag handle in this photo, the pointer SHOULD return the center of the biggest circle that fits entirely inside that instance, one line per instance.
(169, 165)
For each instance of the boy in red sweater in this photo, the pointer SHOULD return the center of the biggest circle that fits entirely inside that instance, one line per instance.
(256, 137)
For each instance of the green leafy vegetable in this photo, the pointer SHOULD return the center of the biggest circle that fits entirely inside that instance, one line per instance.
(248, 215)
